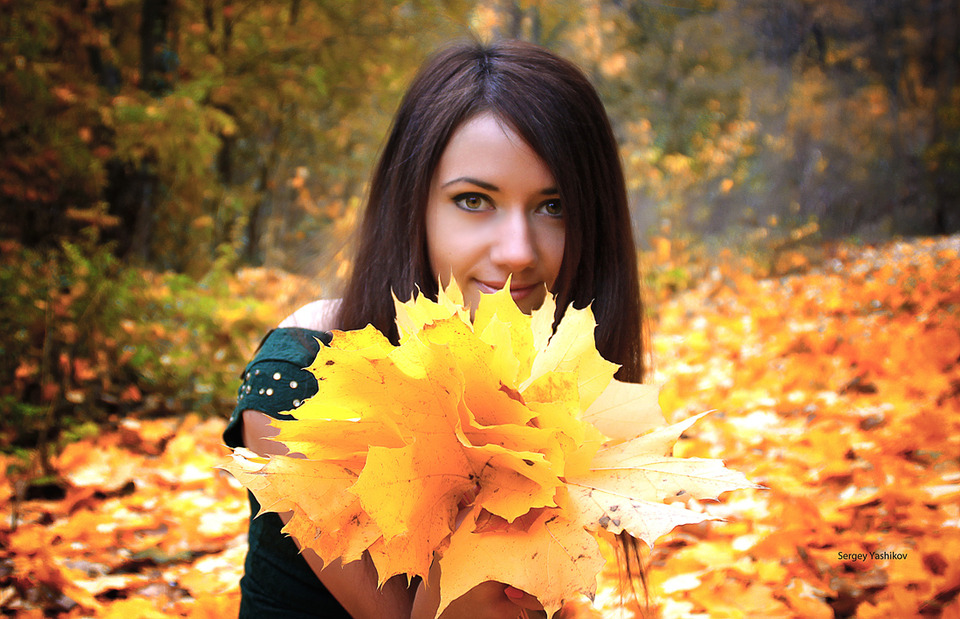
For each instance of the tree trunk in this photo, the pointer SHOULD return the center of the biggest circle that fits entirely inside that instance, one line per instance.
(145, 183)
(154, 24)
(294, 12)
(946, 49)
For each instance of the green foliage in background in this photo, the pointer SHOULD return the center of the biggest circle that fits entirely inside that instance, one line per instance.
(190, 119)
(208, 125)
(735, 113)
(90, 340)
(150, 149)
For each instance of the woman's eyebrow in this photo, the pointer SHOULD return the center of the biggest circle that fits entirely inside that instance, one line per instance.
(549, 191)
(472, 181)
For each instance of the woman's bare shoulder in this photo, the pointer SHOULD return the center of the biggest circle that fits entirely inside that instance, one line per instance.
(320, 315)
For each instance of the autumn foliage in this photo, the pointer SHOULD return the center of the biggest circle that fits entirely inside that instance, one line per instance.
(837, 388)
(493, 447)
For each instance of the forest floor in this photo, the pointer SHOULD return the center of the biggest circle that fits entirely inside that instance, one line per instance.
(836, 388)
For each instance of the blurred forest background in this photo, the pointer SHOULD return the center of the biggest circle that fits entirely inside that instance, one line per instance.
(161, 160)
(192, 130)
(177, 175)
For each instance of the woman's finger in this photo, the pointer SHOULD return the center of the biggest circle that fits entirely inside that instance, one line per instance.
(521, 599)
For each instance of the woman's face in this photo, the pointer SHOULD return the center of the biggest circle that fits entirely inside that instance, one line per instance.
(494, 211)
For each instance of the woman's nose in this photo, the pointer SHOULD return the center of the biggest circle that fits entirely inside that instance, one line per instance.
(514, 247)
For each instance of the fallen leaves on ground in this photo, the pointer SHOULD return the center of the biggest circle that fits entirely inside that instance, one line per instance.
(837, 389)
(141, 526)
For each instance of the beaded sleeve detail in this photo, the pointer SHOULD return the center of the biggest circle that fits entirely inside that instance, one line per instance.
(275, 381)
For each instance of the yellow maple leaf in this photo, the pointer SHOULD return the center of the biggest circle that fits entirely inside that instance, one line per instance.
(522, 424)
(553, 558)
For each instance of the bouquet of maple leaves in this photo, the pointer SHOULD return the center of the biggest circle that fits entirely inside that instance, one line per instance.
(495, 446)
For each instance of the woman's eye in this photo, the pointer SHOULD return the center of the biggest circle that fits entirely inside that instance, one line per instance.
(552, 208)
(472, 202)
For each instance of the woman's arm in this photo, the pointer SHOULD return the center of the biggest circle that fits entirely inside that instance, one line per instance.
(493, 600)
(354, 584)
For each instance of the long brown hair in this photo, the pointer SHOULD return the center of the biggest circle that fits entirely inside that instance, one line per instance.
(551, 104)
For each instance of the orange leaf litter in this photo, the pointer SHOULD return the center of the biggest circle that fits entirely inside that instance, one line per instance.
(838, 389)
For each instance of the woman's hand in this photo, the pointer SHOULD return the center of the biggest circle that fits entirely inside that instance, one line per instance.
(492, 599)
(488, 600)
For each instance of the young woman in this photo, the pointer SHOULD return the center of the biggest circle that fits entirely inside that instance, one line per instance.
(501, 163)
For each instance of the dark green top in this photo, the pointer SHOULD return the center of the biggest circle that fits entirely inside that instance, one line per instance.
(277, 581)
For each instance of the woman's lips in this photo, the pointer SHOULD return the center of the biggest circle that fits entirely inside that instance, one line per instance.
(517, 292)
